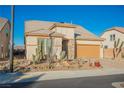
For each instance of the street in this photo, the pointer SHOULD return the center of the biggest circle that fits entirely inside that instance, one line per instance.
(83, 82)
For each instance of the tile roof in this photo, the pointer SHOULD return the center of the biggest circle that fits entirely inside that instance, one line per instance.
(62, 25)
(44, 26)
(119, 29)
(84, 33)
(35, 25)
(44, 32)
(3, 21)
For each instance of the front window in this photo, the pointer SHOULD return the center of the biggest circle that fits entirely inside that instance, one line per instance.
(6, 34)
(105, 46)
(112, 37)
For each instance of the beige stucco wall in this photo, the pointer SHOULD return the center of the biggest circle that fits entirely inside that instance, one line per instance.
(68, 32)
(31, 40)
(107, 41)
(30, 51)
(31, 45)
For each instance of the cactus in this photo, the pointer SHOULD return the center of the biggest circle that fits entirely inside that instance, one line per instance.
(120, 48)
(49, 54)
(117, 49)
(63, 55)
(34, 59)
(39, 51)
(49, 50)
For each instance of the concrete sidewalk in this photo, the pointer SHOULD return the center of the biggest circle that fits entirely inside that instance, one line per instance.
(51, 75)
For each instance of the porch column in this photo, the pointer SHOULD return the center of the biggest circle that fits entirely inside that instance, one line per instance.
(71, 49)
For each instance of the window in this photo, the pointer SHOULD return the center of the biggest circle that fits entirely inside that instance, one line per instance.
(6, 34)
(112, 37)
(6, 31)
(105, 46)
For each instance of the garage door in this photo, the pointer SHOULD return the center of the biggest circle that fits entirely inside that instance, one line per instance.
(88, 51)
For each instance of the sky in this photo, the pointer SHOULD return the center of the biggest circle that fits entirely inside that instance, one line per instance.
(96, 19)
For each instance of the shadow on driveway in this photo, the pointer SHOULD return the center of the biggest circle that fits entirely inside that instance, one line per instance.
(30, 80)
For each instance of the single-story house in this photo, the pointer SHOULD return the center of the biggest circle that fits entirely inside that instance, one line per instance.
(74, 39)
(4, 37)
(111, 36)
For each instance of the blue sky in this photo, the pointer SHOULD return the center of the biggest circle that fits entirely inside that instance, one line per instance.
(94, 18)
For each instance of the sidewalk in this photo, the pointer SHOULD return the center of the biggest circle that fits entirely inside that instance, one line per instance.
(51, 75)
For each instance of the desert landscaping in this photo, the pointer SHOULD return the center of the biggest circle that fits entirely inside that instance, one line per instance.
(22, 65)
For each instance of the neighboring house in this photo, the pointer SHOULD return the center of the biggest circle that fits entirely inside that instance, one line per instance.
(75, 40)
(4, 37)
(111, 35)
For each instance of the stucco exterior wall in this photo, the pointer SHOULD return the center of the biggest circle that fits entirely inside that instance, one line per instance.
(107, 41)
(68, 32)
(31, 40)
(30, 51)
(108, 53)
(88, 42)
(31, 45)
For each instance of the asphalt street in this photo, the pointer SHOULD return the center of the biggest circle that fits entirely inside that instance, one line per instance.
(83, 82)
